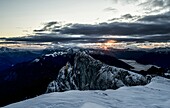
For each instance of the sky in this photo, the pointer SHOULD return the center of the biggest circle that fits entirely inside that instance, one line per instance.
(111, 23)
(20, 16)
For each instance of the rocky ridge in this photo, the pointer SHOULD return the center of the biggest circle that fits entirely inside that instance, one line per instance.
(91, 74)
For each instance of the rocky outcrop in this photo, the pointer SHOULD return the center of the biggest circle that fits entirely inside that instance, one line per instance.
(64, 81)
(90, 74)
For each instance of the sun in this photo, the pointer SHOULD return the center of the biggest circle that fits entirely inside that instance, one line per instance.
(110, 42)
(107, 44)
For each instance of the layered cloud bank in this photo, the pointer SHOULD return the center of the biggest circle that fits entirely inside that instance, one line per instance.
(139, 21)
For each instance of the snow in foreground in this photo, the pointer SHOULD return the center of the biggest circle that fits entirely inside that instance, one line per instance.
(154, 95)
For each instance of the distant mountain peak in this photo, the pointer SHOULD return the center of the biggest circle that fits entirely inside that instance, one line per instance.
(6, 49)
(90, 74)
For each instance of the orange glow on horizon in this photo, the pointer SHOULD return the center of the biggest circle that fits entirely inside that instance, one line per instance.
(110, 42)
(107, 44)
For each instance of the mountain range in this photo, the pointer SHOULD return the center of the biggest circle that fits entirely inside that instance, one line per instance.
(72, 69)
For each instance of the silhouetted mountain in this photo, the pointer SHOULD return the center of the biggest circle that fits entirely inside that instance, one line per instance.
(159, 57)
(10, 57)
(156, 58)
(29, 79)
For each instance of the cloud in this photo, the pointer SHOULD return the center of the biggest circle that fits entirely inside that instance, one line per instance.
(47, 26)
(147, 25)
(55, 39)
(125, 1)
(160, 18)
(8, 42)
(116, 28)
(147, 28)
(125, 18)
(110, 9)
(155, 6)
(142, 7)
(156, 3)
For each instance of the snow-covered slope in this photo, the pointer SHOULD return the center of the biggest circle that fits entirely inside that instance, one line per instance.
(154, 95)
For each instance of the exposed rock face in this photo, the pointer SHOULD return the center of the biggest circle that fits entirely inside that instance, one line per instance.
(90, 74)
(87, 70)
(64, 81)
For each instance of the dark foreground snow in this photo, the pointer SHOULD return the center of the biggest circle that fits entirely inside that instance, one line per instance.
(154, 95)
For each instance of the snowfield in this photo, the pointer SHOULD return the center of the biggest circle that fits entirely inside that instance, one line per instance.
(154, 95)
(138, 66)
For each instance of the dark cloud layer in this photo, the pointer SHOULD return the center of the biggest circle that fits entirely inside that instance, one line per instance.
(148, 25)
(56, 40)
(157, 3)
(155, 6)
(161, 18)
(116, 29)
(155, 28)
(85, 39)
(47, 26)
(119, 28)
